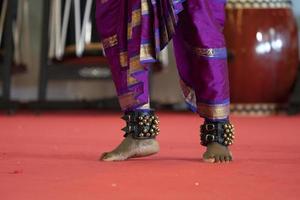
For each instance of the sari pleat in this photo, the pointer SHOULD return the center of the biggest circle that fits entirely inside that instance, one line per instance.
(133, 32)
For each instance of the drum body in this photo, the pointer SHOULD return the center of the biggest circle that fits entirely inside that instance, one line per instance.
(263, 50)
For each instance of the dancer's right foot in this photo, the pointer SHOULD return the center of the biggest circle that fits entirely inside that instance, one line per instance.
(216, 152)
(217, 136)
(140, 132)
(131, 148)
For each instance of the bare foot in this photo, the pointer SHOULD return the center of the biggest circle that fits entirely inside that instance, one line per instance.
(130, 148)
(216, 153)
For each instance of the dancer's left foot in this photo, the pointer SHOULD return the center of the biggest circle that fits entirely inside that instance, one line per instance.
(216, 153)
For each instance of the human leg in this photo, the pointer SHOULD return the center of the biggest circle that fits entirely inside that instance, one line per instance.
(118, 24)
(202, 65)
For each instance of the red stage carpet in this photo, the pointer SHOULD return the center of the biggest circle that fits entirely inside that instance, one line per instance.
(54, 157)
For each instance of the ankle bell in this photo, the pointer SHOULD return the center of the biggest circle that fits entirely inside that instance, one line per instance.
(141, 124)
(220, 132)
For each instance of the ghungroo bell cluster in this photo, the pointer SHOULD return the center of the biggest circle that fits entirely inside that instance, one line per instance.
(141, 125)
(220, 132)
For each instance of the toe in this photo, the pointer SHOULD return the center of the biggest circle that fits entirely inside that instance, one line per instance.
(226, 158)
(209, 160)
(208, 157)
(217, 159)
(222, 158)
(108, 157)
(102, 156)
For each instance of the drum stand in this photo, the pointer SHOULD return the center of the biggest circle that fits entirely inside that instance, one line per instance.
(8, 54)
(52, 70)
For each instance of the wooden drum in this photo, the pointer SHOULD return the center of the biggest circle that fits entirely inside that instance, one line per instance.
(263, 50)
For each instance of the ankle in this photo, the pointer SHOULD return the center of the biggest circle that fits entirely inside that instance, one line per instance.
(141, 125)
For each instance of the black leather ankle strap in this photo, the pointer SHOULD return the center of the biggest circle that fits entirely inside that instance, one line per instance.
(220, 132)
(141, 124)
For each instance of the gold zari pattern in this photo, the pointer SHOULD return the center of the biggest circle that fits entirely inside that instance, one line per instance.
(205, 52)
(124, 59)
(218, 111)
(135, 21)
(145, 7)
(128, 100)
(110, 41)
(135, 66)
(146, 51)
(136, 18)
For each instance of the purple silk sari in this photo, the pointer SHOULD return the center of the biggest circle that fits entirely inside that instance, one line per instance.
(133, 32)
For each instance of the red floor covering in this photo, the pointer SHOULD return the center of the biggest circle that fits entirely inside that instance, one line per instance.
(54, 156)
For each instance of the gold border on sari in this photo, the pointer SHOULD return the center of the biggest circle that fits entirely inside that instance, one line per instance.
(135, 21)
(103, 1)
(211, 111)
(110, 41)
(216, 111)
(129, 31)
(128, 100)
(146, 52)
(134, 66)
(145, 7)
(188, 93)
(136, 18)
(205, 52)
(124, 59)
